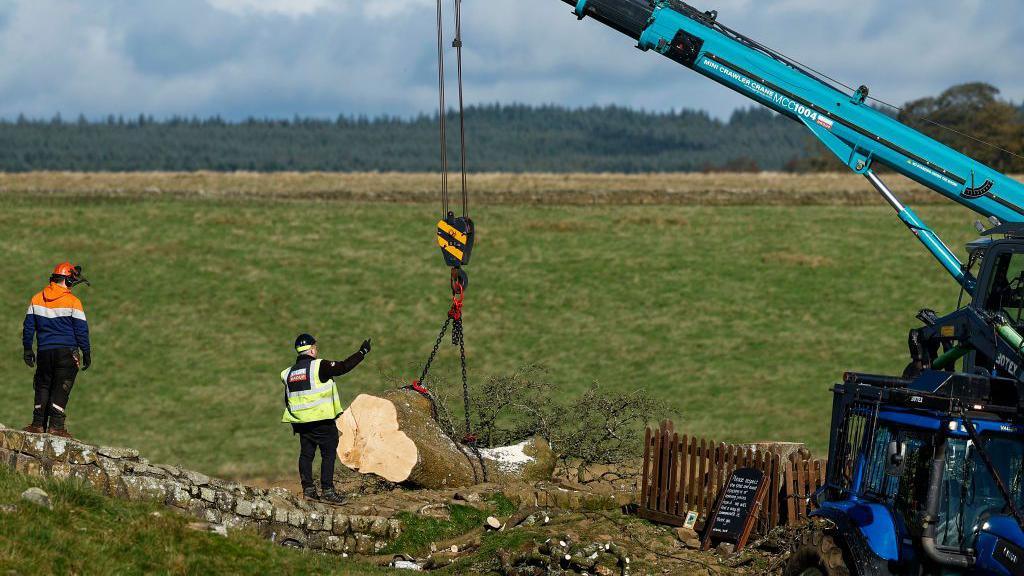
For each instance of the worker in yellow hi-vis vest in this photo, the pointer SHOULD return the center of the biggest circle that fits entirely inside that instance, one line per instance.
(311, 405)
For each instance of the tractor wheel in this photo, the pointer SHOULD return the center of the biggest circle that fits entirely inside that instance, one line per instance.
(817, 554)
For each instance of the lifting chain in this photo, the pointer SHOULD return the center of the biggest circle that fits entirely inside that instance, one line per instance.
(469, 439)
(418, 384)
(453, 319)
(457, 340)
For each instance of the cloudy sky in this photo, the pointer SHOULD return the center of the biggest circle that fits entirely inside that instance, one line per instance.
(278, 58)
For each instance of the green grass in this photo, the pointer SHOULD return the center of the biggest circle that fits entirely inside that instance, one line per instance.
(419, 532)
(742, 316)
(87, 533)
(502, 505)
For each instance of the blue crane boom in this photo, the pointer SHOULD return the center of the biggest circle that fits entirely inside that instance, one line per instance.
(859, 135)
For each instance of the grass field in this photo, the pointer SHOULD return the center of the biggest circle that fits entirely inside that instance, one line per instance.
(743, 316)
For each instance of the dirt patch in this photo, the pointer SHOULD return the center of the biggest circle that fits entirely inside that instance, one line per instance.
(720, 189)
(288, 483)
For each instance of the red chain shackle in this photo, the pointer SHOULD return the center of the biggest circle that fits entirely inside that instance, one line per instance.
(458, 295)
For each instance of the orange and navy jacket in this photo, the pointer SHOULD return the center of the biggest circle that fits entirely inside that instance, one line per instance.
(56, 319)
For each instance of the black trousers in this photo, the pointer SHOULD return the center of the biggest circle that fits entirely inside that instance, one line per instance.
(313, 435)
(55, 376)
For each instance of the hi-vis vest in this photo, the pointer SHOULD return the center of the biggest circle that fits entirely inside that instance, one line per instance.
(307, 399)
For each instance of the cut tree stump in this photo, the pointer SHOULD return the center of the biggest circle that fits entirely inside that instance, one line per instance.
(395, 436)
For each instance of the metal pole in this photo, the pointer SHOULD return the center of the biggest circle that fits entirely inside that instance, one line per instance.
(930, 239)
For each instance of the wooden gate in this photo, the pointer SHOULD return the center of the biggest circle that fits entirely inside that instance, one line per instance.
(683, 474)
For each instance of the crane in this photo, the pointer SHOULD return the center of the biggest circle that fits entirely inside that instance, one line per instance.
(926, 469)
(863, 138)
(860, 136)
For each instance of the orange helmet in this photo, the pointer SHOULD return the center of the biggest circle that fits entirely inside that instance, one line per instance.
(64, 269)
(72, 275)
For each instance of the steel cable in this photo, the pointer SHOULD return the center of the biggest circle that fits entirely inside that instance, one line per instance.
(462, 108)
(442, 110)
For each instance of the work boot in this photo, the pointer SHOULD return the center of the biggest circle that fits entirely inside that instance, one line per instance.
(61, 432)
(332, 497)
(310, 493)
(33, 429)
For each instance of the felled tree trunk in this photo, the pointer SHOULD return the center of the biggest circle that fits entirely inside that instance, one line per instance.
(395, 436)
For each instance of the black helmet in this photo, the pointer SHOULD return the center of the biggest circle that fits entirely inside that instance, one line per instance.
(304, 342)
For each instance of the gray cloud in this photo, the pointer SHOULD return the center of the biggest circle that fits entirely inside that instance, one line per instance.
(278, 58)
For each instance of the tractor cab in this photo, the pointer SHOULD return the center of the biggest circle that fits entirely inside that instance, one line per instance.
(925, 476)
(986, 329)
(1001, 279)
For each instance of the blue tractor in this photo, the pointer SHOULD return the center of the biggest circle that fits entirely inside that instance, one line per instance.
(924, 477)
(925, 469)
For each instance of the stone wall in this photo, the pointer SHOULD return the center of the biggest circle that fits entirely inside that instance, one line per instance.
(277, 514)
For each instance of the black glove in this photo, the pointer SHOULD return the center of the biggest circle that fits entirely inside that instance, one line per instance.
(365, 348)
(86, 359)
(30, 358)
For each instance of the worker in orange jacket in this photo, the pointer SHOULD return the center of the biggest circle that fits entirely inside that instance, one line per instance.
(56, 321)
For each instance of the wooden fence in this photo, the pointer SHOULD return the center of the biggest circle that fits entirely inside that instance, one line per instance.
(683, 474)
(803, 478)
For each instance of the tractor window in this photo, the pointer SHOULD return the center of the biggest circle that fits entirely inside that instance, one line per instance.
(1006, 289)
(912, 491)
(969, 491)
(851, 440)
(908, 492)
(954, 496)
(875, 480)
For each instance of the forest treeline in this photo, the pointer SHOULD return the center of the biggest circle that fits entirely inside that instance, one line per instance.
(508, 138)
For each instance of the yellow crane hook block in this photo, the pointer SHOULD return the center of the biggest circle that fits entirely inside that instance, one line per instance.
(455, 237)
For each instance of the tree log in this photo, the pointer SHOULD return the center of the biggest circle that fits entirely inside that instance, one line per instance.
(395, 436)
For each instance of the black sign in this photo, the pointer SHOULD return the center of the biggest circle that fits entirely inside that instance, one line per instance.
(738, 504)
